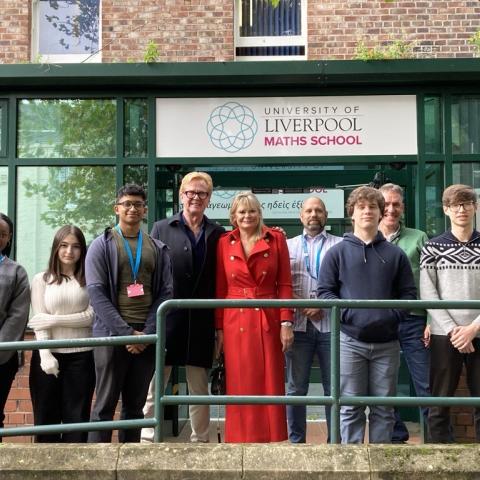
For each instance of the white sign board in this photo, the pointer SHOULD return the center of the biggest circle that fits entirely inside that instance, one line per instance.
(280, 206)
(287, 126)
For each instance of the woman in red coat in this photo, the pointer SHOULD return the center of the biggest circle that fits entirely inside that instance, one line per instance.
(253, 262)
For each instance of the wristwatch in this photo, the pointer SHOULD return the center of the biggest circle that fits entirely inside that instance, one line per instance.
(286, 324)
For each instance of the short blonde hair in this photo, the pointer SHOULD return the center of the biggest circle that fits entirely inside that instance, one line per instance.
(250, 201)
(190, 177)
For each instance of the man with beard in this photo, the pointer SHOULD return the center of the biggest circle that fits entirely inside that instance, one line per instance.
(312, 325)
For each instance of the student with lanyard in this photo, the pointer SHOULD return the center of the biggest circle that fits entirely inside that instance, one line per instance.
(312, 325)
(128, 276)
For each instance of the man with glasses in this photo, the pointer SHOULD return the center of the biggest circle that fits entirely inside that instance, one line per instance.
(190, 334)
(450, 270)
(128, 276)
(412, 326)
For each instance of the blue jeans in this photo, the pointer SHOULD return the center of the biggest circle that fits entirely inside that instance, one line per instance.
(299, 360)
(417, 358)
(367, 369)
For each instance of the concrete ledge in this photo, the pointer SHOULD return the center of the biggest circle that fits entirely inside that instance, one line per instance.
(177, 461)
(43, 461)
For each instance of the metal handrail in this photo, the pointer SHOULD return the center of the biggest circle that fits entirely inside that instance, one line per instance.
(335, 400)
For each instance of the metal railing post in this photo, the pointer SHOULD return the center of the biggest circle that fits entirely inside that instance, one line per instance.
(158, 408)
(335, 375)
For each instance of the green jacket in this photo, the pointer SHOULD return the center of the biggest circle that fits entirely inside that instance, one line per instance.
(411, 241)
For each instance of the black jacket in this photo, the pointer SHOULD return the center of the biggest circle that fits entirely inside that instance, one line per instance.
(190, 333)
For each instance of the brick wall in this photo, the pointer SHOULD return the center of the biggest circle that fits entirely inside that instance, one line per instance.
(184, 30)
(14, 31)
(436, 28)
(202, 30)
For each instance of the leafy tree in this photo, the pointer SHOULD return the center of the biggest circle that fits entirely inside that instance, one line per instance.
(82, 195)
(71, 128)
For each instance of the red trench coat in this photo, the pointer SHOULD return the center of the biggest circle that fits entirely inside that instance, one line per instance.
(254, 361)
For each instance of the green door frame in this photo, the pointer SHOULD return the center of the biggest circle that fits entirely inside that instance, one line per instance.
(445, 78)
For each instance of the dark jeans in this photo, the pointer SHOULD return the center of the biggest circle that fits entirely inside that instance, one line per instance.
(299, 360)
(119, 372)
(63, 399)
(447, 363)
(417, 358)
(8, 371)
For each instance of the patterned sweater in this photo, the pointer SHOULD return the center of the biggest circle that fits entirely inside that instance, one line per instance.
(450, 270)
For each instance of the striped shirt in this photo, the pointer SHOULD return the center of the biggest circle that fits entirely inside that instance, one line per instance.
(305, 282)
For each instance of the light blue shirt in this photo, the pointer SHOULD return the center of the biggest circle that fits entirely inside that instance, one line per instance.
(304, 283)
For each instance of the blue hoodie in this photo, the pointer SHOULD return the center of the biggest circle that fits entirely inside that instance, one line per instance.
(376, 271)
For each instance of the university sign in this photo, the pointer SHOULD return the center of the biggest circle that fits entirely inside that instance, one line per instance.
(287, 126)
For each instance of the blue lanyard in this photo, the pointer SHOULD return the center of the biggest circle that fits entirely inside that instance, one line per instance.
(2, 258)
(306, 257)
(135, 267)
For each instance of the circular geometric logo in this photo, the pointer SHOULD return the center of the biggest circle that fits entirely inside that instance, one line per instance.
(232, 127)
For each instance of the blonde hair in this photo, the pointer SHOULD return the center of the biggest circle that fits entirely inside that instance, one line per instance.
(201, 176)
(250, 201)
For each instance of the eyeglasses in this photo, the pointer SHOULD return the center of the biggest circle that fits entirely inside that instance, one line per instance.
(128, 205)
(456, 207)
(192, 193)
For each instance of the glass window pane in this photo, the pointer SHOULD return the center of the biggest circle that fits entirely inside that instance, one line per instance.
(261, 18)
(4, 190)
(468, 174)
(465, 124)
(433, 125)
(136, 127)
(69, 128)
(434, 189)
(137, 174)
(68, 26)
(50, 197)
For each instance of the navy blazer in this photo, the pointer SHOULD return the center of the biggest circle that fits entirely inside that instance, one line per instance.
(190, 333)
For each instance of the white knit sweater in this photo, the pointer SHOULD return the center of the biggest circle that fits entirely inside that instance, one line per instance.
(60, 312)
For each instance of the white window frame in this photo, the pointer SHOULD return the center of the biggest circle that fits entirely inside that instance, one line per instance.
(37, 57)
(270, 41)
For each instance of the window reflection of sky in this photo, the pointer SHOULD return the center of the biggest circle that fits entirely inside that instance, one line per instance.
(50, 41)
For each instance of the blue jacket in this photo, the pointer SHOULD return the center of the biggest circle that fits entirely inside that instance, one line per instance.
(101, 272)
(377, 271)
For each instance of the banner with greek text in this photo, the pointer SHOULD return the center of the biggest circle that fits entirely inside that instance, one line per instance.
(281, 206)
(287, 126)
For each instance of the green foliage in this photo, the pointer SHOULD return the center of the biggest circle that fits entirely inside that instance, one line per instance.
(475, 41)
(397, 49)
(82, 196)
(70, 128)
(151, 54)
(275, 3)
(66, 128)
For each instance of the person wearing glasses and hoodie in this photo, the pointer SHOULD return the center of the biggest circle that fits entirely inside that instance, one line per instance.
(449, 270)
(367, 267)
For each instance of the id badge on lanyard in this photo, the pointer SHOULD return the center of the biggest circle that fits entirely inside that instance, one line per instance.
(135, 289)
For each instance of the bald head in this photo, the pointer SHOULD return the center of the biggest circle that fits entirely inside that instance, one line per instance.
(313, 215)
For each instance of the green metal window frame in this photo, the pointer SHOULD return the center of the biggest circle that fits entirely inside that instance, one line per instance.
(4, 129)
(441, 77)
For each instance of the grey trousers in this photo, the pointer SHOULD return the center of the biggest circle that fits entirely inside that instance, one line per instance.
(367, 369)
(119, 372)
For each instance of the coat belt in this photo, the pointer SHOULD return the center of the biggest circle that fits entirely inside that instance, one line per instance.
(250, 292)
